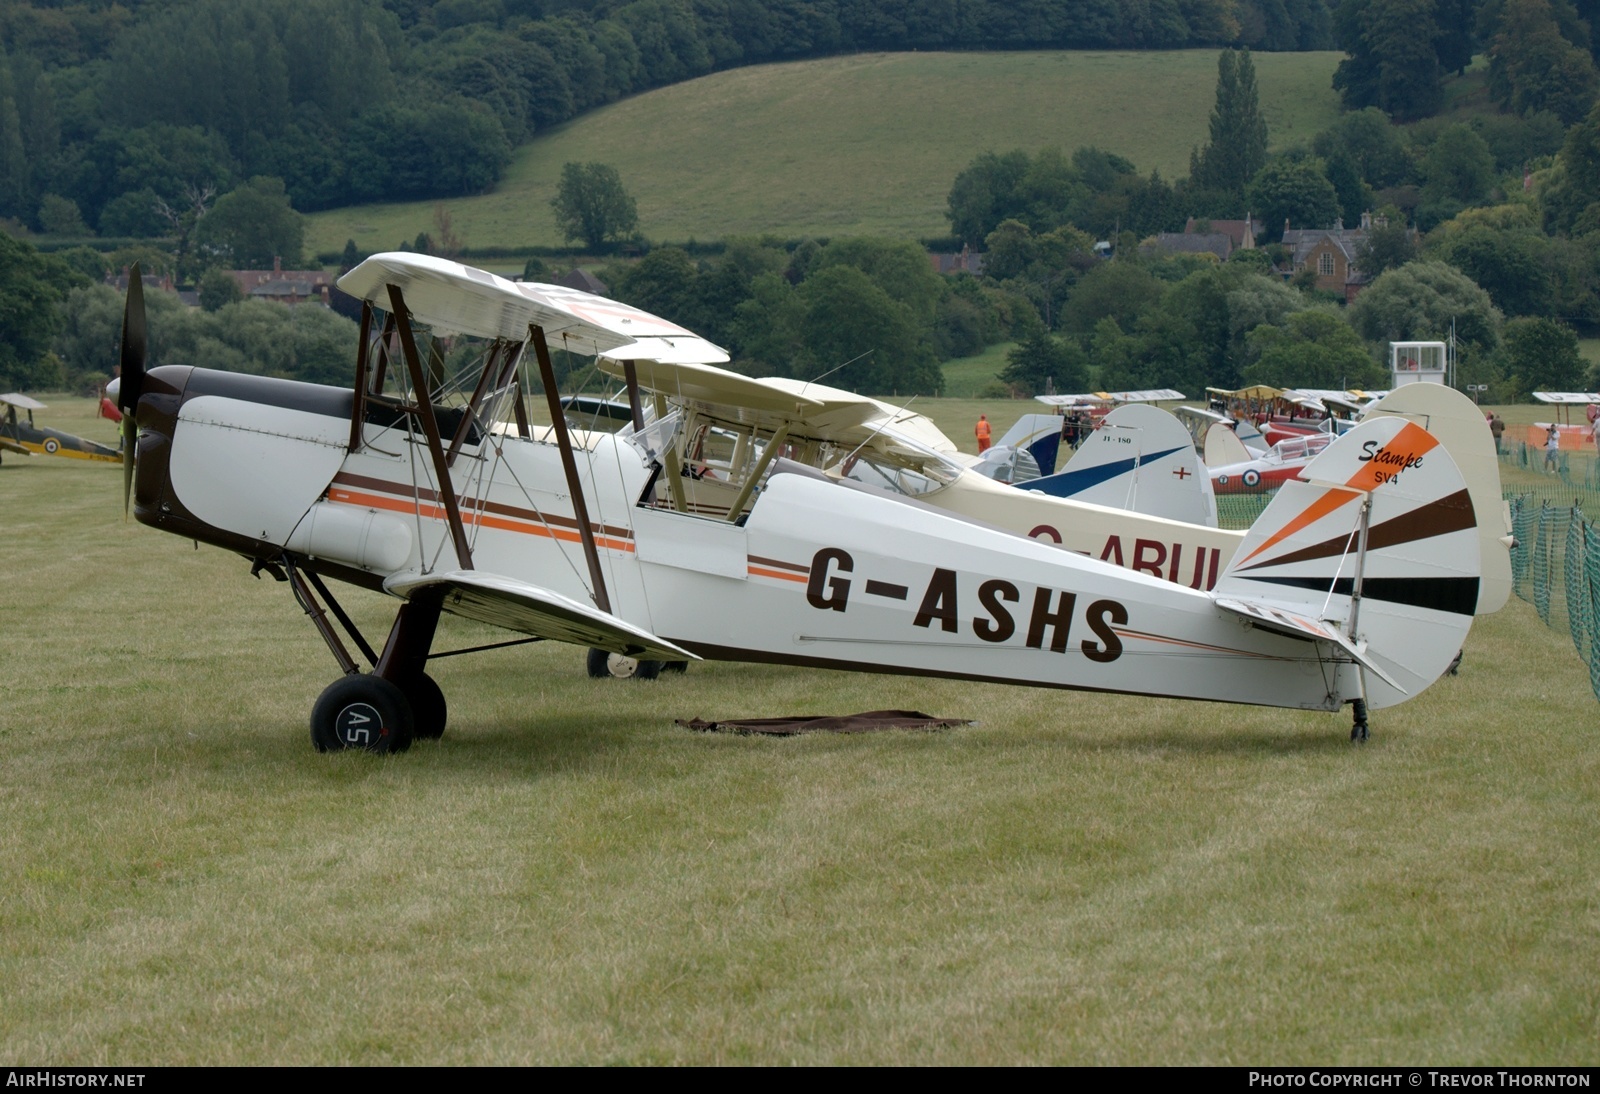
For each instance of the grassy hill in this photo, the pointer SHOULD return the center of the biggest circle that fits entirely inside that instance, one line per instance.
(868, 143)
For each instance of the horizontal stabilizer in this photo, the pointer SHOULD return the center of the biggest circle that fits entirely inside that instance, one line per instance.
(528, 609)
(1280, 621)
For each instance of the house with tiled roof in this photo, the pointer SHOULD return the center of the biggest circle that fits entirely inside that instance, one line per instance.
(584, 281)
(1331, 254)
(1188, 243)
(284, 286)
(1216, 237)
(1241, 233)
(968, 261)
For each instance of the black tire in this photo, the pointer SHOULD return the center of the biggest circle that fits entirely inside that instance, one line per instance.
(617, 666)
(674, 666)
(361, 711)
(429, 711)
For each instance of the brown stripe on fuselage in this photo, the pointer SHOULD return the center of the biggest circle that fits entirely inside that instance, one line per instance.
(780, 564)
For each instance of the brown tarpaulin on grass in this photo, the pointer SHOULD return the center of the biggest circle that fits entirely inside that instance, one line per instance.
(850, 723)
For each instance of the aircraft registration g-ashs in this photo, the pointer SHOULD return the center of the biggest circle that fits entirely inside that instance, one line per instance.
(1133, 494)
(1356, 587)
(27, 439)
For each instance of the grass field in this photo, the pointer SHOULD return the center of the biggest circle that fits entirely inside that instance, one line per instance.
(569, 878)
(868, 143)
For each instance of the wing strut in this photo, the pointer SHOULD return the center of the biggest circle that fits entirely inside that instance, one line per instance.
(779, 439)
(580, 508)
(430, 426)
(630, 376)
(358, 409)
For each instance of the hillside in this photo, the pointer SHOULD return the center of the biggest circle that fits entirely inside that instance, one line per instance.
(860, 144)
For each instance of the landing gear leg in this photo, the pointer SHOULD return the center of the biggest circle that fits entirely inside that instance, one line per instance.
(404, 662)
(1358, 731)
(383, 710)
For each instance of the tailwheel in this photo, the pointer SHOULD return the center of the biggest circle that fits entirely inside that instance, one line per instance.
(603, 663)
(428, 708)
(1358, 731)
(364, 712)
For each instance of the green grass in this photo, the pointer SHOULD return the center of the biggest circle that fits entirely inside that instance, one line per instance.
(868, 143)
(966, 377)
(569, 878)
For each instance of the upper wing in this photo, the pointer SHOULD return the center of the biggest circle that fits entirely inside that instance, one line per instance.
(451, 297)
(528, 609)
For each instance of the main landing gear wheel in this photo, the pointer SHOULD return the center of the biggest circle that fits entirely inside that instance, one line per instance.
(361, 711)
(674, 666)
(428, 708)
(1358, 731)
(603, 663)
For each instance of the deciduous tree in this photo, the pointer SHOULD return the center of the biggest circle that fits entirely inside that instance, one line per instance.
(1542, 355)
(252, 226)
(592, 205)
(1420, 301)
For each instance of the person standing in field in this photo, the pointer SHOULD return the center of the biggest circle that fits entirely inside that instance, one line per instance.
(1497, 426)
(1552, 447)
(981, 431)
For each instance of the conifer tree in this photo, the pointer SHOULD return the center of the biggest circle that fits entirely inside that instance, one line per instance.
(1238, 146)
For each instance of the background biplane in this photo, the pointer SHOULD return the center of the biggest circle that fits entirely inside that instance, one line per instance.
(23, 437)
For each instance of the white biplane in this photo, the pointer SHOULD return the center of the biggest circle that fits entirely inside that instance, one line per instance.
(1356, 587)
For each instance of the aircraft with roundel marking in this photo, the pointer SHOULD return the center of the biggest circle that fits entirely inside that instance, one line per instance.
(22, 436)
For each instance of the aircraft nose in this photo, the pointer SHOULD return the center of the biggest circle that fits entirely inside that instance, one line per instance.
(157, 415)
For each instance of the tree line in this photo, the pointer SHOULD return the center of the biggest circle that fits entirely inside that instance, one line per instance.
(1542, 53)
(1487, 231)
(113, 116)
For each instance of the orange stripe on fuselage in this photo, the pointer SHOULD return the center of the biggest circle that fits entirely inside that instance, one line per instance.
(469, 517)
(761, 571)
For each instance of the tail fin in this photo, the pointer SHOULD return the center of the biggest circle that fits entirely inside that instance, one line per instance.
(1404, 604)
(1037, 434)
(1223, 447)
(1460, 426)
(1254, 441)
(1141, 459)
